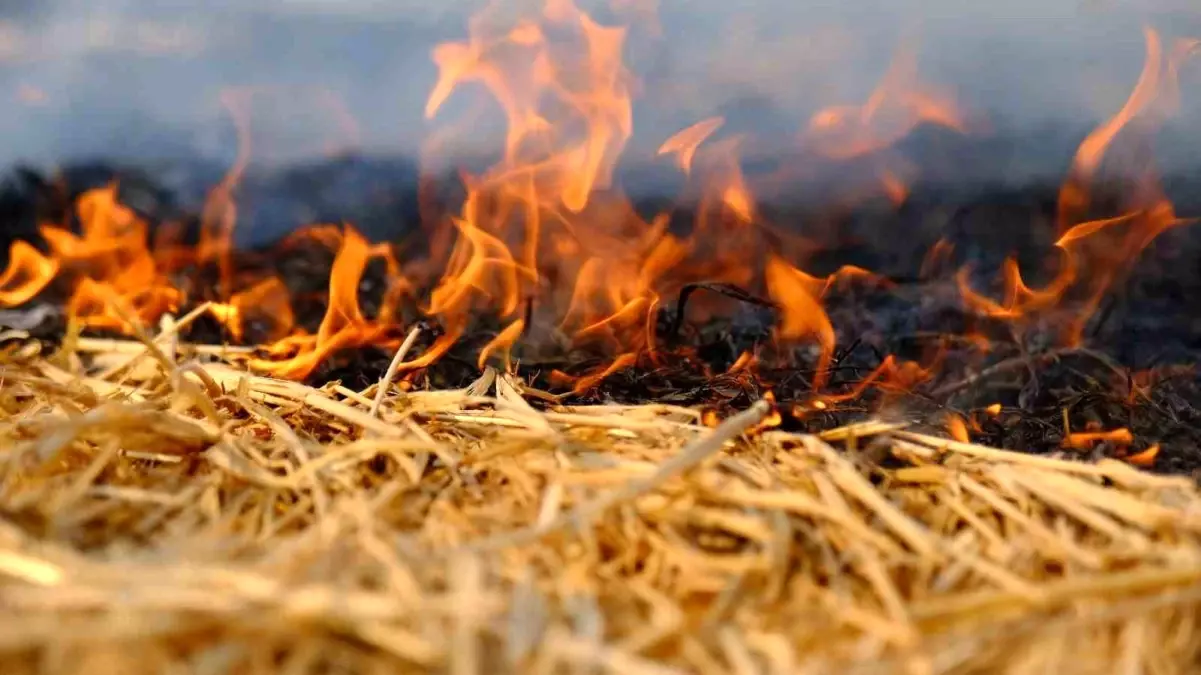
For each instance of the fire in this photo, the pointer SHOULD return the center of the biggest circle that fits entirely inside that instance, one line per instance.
(544, 248)
(563, 159)
(1083, 440)
(115, 277)
(684, 143)
(268, 301)
(344, 325)
(957, 428)
(520, 235)
(220, 213)
(900, 103)
(219, 216)
(1096, 253)
(1145, 457)
(1155, 96)
(803, 317)
(28, 272)
(892, 376)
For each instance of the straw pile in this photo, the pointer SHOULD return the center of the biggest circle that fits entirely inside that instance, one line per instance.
(165, 512)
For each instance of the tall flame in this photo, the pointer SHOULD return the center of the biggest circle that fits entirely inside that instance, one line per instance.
(542, 224)
(1095, 253)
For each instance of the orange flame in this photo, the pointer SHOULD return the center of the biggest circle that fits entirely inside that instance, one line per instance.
(1145, 457)
(503, 342)
(1155, 96)
(899, 104)
(344, 324)
(219, 216)
(1084, 440)
(1095, 253)
(268, 301)
(28, 272)
(957, 429)
(119, 279)
(542, 225)
(799, 296)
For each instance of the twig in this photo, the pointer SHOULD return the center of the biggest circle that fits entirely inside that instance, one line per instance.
(143, 347)
(728, 290)
(386, 381)
(1000, 367)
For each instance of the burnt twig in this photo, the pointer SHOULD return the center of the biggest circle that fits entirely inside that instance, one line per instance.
(1000, 367)
(728, 290)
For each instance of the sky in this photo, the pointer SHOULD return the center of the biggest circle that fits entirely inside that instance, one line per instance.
(143, 79)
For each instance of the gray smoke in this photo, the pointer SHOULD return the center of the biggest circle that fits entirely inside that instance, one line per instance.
(140, 80)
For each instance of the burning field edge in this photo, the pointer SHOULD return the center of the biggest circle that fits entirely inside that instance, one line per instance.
(175, 514)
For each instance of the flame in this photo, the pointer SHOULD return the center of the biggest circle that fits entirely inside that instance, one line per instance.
(802, 315)
(799, 296)
(503, 342)
(1146, 457)
(219, 217)
(1096, 253)
(1083, 440)
(344, 324)
(267, 301)
(589, 89)
(541, 238)
(899, 104)
(117, 278)
(220, 213)
(28, 272)
(684, 143)
(1155, 97)
(542, 228)
(580, 385)
(957, 429)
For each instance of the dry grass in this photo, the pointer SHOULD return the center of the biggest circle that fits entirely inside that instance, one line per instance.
(164, 512)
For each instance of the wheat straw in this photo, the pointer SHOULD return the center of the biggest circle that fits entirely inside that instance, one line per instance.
(190, 517)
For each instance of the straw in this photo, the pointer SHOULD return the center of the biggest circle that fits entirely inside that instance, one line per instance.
(192, 517)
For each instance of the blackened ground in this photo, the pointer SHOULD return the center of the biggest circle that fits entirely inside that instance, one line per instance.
(1134, 370)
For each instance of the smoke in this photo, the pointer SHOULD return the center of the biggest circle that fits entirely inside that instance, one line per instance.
(130, 79)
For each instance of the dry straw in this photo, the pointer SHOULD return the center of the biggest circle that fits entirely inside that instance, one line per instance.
(165, 512)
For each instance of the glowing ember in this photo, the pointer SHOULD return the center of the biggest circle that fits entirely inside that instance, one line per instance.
(1145, 457)
(1084, 440)
(957, 428)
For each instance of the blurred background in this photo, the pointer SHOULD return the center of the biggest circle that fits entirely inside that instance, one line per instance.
(139, 82)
